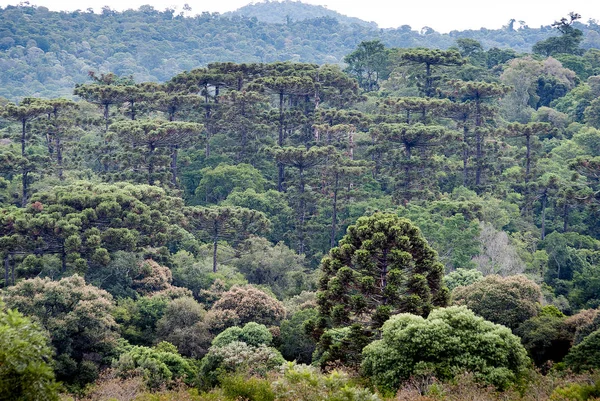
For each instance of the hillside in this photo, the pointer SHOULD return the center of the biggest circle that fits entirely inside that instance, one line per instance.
(280, 12)
(45, 53)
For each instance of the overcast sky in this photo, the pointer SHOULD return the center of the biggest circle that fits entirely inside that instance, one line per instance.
(441, 15)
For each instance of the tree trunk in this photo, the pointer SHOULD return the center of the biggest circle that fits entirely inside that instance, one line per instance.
(106, 115)
(565, 216)
(334, 213)
(174, 165)
(280, 168)
(6, 269)
(528, 159)
(544, 200)
(151, 163)
(215, 241)
(465, 155)
(24, 179)
(479, 140)
(59, 157)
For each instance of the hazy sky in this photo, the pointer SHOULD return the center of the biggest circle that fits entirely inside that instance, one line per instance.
(441, 15)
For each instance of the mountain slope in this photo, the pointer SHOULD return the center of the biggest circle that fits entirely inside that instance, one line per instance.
(279, 12)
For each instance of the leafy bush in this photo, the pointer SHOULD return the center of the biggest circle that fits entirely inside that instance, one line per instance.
(160, 366)
(251, 305)
(239, 387)
(183, 325)
(306, 383)
(576, 392)
(253, 334)
(238, 357)
(25, 372)
(449, 341)
(546, 338)
(462, 277)
(504, 300)
(586, 354)
(296, 343)
(77, 316)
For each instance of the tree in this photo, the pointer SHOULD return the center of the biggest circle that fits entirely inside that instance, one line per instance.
(182, 325)
(161, 366)
(479, 93)
(225, 222)
(273, 204)
(104, 92)
(25, 359)
(218, 182)
(383, 266)
(302, 159)
(83, 223)
(369, 64)
(252, 334)
(545, 338)
(146, 140)
(585, 355)
(251, 305)
(462, 277)
(430, 59)
(450, 340)
(278, 267)
(503, 300)
(296, 344)
(28, 110)
(78, 317)
(567, 43)
(58, 127)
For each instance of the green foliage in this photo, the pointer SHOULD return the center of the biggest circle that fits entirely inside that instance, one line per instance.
(277, 267)
(217, 183)
(462, 277)
(160, 366)
(503, 300)
(183, 325)
(585, 355)
(137, 319)
(272, 203)
(296, 344)
(448, 342)
(77, 316)
(253, 334)
(306, 383)
(576, 392)
(84, 222)
(25, 360)
(545, 338)
(246, 388)
(250, 304)
(238, 357)
(383, 266)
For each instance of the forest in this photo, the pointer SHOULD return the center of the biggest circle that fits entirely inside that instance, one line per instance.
(409, 222)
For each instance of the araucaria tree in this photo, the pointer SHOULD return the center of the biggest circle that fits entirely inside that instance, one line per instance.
(383, 266)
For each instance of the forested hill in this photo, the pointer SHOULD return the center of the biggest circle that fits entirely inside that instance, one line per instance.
(45, 53)
(280, 12)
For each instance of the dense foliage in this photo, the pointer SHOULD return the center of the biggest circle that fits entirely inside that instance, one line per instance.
(450, 340)
(182, 239)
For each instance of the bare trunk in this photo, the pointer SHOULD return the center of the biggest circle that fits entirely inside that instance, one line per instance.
(544, 199)
(6, 269)
(174, 165)
(465, 155)
(280, 168)
(215, 254)
(334, 213)
(59, 157)
(151, 163)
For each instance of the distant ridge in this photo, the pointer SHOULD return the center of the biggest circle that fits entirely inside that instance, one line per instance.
(278, 12)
